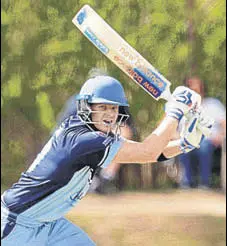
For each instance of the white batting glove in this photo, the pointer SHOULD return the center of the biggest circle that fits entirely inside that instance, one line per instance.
(205, 123)
(194, 131)
(183, 100)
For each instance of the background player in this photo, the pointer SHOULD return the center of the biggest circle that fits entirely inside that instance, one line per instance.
(200, 161)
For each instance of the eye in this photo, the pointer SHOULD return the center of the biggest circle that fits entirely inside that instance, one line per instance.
(101, 107)
(115, 108)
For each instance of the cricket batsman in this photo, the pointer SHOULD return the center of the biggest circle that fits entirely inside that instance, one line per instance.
(33, 208)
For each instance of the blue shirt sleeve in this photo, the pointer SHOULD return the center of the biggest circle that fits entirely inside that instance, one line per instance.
(93, 142)
(114, 148)
(89, 142)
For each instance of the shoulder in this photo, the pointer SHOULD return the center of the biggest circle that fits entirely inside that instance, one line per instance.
(93, 141)
(81, 139)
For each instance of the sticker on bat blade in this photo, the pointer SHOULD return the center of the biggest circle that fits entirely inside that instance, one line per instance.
(149, 83)
(139, 77)
(137, 61)
(98, 43)
(155, 78)
(81, 16)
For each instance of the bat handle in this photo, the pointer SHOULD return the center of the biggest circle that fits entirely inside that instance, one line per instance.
(166, 95)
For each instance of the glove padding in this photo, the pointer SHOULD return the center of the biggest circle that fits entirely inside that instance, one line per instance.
(205, 123)
(197, 125)
(183, 100)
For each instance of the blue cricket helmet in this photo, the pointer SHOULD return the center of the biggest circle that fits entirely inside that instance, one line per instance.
(103, 89)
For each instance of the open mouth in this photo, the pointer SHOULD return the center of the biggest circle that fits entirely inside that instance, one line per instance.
(107, 122)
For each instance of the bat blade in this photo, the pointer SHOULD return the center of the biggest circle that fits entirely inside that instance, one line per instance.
(113, 46)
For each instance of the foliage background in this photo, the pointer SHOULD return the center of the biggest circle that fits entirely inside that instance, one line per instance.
(45, 60)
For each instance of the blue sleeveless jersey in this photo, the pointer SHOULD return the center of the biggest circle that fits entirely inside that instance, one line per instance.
(62, 172)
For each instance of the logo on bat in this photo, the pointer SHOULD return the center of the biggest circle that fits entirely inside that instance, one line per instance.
(98, 43)
(138, 62)
(81, 16)
(143, 80)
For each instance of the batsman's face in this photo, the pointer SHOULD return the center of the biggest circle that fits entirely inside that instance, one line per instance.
(104, 116)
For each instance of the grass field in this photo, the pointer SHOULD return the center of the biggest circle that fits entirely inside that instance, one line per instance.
(175, 218)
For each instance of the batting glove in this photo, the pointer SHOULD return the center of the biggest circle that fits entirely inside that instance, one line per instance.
(205, 123)
(183, 100)
(194, 131)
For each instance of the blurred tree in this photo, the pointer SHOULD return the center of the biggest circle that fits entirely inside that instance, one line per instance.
(45, 59)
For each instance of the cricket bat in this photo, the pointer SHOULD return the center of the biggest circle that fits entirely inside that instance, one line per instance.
(114, 47)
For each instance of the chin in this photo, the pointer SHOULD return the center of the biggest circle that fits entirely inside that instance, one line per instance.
(105, 129)
(102, 128)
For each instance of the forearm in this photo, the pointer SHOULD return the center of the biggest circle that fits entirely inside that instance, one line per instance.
(161, 136)
(150, 149)
(172, 149)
